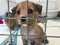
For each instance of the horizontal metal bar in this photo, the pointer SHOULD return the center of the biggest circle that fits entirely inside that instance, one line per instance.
(53, 36)
(34, 18)
(29, 35)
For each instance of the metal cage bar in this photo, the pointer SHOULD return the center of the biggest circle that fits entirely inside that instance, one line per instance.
(46, 20)
(28, 27)
(11, 41)
(27, 23)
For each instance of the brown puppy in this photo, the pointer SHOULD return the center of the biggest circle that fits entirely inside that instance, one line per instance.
(20, 11)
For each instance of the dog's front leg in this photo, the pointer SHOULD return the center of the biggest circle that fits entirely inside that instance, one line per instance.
(24, 42)
(38, 42)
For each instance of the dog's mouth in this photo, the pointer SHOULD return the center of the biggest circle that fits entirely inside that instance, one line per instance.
(23, 20)
(24, 23)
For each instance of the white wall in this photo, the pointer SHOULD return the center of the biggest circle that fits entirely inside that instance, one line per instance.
(3, 4)
(3, 7)
(58, 5)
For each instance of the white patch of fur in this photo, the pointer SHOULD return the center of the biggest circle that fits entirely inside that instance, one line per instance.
(24, 24)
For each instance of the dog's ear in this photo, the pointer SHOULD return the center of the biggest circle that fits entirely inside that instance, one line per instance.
(38, 8)
(14, 10)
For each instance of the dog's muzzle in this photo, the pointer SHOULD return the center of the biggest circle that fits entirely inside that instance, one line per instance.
(23, 19)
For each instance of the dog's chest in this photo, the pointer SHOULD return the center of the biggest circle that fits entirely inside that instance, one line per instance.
(32, 32)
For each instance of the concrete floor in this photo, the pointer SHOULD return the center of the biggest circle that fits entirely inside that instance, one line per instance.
(53, 29)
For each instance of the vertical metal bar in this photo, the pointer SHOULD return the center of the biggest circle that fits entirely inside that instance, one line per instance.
(46, 7)
(9, 22)
(27, 22)
(46, 20)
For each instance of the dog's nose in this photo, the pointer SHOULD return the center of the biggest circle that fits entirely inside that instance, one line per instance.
(23, 19)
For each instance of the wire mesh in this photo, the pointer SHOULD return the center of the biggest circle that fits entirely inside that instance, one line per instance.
(11, 40)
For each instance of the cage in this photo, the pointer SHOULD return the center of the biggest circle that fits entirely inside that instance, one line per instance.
(50, 24)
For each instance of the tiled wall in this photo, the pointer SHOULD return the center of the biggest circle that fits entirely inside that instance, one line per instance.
(4, 7)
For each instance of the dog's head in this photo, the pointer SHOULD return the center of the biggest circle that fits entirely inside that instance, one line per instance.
(22, 11)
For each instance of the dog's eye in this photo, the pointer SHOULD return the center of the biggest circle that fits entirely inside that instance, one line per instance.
(30, 11)
(18, 12)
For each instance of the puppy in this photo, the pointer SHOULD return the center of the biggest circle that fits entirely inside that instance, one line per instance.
(20, 11)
